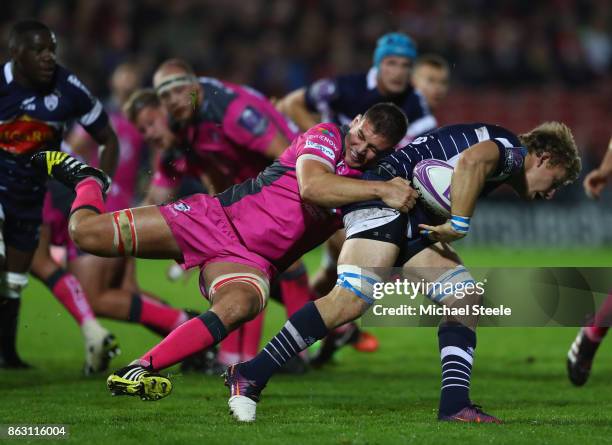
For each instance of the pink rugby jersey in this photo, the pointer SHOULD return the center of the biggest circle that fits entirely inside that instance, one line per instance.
(235, 125)
(268, 213)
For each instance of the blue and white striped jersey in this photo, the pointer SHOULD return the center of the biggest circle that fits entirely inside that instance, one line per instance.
(447, 143)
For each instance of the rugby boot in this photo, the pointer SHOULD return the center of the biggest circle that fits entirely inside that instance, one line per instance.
(470, 414)
(580, 358)
(135, 380)
(244, 394)
(67, 169)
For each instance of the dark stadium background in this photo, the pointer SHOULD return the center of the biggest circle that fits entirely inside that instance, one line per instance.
(513, 63)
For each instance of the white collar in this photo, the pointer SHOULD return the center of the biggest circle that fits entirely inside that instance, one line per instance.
(371, 78)
(8, 71)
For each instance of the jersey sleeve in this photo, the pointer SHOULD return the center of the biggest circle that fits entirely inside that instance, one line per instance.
(88, 110)
(420, 119)
(511, 159)
(323, 144)
(321, 94)
(248, 122)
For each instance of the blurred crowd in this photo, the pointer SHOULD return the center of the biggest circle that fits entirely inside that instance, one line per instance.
(279, 45)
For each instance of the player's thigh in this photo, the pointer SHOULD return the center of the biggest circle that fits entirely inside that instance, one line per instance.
(129, 282)
(431, 262)
(334, 244)
(43, 264)
(141, 232)
(368, 253)
(96, 274)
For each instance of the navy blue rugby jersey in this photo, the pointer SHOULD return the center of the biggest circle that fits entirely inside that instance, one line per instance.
(340, 99)
(447, 143)
(31, 120)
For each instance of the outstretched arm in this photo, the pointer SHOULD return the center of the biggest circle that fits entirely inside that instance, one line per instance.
(109, 148)
(294, 106)
(596, 180)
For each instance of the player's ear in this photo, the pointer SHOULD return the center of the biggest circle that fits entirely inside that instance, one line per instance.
(356, 120)
(543, 158)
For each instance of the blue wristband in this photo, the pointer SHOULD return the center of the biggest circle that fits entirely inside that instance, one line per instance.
(460, 224)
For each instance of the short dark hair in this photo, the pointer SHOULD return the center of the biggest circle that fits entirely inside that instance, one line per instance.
(432, 60)
(138, 100)
(388, 120)
(23, 27)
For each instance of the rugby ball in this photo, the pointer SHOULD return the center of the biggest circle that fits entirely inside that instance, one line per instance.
(431, 178)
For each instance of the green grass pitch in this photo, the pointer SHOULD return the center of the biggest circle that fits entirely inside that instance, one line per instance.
(387, 397)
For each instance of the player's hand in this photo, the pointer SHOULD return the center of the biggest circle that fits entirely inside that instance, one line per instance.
(399, 195)
(594, 183)
(443, 233)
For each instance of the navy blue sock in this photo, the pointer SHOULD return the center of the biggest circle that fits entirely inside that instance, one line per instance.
(457, 344)
(301, 330)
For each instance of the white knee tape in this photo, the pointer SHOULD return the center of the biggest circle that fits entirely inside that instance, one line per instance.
(357, 280)
(260, 284)
(12, 284)
(449, 283)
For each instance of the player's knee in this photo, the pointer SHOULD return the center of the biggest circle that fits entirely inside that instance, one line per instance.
(455, 284)
(354, 289)
(235, 306)
(85, 234)
(238, 297)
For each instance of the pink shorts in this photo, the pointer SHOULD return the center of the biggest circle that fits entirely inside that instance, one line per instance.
(205, 235)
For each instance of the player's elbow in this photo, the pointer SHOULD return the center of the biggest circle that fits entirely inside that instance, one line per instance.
(469, 161)
(308, 192)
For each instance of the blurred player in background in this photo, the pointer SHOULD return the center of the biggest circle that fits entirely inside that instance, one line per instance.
(340, 99)
(483, 156)
(431, 77)
(38, 97)
(582, 351)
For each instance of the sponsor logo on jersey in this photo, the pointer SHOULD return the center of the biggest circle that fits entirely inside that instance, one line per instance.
(28, 104)
(328, 141)
(25, 135)
(51, 102)
(322, 148)
(182, 207)
(325, 131)
(253, 121)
